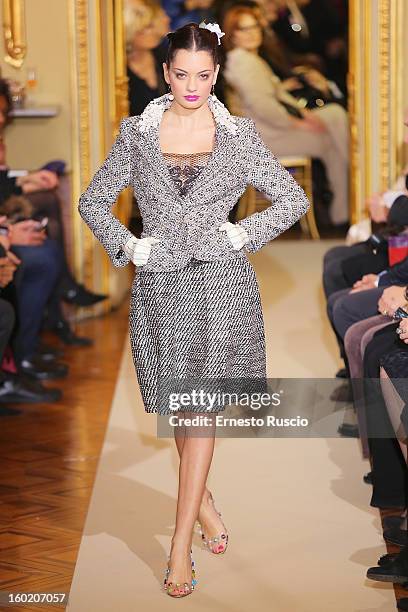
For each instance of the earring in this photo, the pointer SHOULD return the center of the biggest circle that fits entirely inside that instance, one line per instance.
(170, 95)
(214, 97)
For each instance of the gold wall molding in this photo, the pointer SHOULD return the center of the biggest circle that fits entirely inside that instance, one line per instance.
(376, 107)
(384, 67)
(83, 252)
(355, 104)
(391, 19)
(121, 79)
(398, 17)
(121, 97)
(99, 102)
(14, 30)
(367, 71)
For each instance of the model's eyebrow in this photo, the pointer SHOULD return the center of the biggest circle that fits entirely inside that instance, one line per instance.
(185, 71)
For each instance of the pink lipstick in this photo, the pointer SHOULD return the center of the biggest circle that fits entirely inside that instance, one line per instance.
(191, 98)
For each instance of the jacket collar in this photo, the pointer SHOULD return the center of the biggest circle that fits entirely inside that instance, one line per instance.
(226, 126)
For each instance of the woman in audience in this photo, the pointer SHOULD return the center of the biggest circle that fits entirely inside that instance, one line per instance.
(314, 28)
(287, 128)
(314, 85)
(146, 23)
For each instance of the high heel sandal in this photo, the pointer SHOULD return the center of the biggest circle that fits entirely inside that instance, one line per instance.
(221, 539)
(172, 587)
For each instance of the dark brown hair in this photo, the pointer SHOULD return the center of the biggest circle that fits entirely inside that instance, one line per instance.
(193, 38)
(5, 92)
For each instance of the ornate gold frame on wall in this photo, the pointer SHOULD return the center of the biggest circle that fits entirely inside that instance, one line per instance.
(376, 97)
(81, 155)
(108, 56)
(14, 30)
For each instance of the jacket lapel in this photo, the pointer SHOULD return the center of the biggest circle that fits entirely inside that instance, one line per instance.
(149, 127)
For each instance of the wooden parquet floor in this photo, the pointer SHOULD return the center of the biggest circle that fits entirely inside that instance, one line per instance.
(48, 460)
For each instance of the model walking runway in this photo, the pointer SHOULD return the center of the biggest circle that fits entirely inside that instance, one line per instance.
(303, 530)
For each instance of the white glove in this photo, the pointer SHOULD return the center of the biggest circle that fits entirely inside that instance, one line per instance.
(237, 234)
(138, 249)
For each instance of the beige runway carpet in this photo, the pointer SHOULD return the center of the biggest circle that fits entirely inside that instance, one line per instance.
(302, 533)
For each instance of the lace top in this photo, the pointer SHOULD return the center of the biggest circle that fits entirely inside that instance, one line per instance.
(185, 167)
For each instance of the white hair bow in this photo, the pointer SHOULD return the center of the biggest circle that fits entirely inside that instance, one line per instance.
(213, 27)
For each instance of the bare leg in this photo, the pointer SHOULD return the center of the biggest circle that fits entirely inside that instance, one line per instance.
(197, 447)
(208, 518)
(179, 436)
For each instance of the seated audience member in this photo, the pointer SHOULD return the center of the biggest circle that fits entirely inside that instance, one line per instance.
(306, 82)
(366, 342)
(37, 275)
(186, 11)
(355, 341)
(389, 473)
(146, 24)
(315, 29)
(346, 309)
(384, 285)
(393, 363)
(286, 127)
(348, 306)
(14, 387)
(370, 344)
(349, 302)
(390, 208)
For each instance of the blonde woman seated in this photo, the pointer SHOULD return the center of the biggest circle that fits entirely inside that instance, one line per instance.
(146, 24)
(285, 127)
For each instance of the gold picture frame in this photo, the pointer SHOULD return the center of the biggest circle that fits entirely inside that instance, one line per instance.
(14, 30)
(99, 102)
(376, 105)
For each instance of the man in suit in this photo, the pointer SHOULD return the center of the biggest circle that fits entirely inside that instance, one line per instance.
(390, 207)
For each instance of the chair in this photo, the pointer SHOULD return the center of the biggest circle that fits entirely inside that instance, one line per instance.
(300, 166)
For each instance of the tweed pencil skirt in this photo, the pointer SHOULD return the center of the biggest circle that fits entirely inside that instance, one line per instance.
(203, 322)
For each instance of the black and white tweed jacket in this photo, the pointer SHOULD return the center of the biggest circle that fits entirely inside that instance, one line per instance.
(187, 225)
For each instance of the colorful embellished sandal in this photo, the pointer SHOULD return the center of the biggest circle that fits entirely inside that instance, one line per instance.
(220, 540)
(176, 589)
